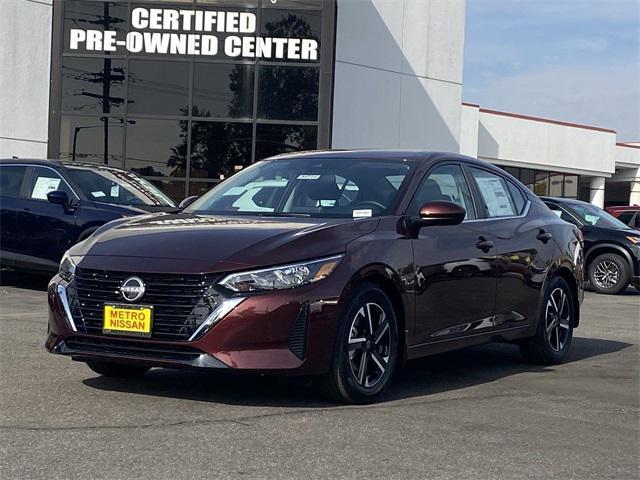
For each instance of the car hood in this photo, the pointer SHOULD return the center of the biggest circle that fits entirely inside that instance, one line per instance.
(196, 243)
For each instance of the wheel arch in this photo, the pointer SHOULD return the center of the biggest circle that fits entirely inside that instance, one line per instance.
(388, 280)
(565, 272)
(600, 248)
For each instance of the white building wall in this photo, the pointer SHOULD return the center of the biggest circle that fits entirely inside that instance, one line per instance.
(536, 143)
(25, 52)
(469, 130)
(398, 74)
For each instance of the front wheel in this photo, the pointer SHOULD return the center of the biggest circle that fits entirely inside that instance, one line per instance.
(609, 273)
(554, 334)
(117, 370)
(366, 348)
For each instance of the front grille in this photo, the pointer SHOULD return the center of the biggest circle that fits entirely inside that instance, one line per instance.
(138, 349)
(180, 302)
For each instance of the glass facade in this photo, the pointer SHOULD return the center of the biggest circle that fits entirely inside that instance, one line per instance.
(545, 183)
(185, 121)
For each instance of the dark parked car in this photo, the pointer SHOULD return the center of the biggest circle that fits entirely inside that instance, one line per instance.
(611, 248)
(47, 206)
(334, 264)
(628, 215)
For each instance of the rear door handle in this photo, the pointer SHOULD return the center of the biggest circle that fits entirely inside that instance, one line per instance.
(484, 244)
(544, 237)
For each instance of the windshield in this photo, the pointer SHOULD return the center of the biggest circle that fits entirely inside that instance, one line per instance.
(592, 215)
(341, 188)
(118, 187)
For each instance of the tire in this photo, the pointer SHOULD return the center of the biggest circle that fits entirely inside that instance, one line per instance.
(117, 370)
(364, 356)
(609, 273)
(554, 333)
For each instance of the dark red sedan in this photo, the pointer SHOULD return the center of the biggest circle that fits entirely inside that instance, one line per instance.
(339, 264)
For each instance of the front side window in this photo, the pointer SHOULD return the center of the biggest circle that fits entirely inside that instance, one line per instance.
(337, 188)
(45, 180)
(446, 183)
(11, 178)
(495, 194)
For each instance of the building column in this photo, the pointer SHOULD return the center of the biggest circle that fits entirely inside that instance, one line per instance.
(596, 191)
(634, 196)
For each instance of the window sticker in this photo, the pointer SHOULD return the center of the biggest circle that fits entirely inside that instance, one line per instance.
(99, 193)
(115, 191)
(43, 186)
(308, 177)
(495, 196)
(365, 213)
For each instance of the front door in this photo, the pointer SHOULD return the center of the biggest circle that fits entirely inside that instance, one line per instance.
(11, 183)
(50, 229)
(455, 282)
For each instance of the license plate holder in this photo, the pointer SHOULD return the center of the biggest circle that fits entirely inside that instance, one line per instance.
(129, 320)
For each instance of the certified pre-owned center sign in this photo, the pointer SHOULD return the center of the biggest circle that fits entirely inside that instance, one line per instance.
(194, 32)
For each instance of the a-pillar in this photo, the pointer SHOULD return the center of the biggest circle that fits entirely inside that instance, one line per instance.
(596, 191)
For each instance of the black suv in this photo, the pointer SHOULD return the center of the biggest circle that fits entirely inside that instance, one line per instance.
(46, 206)
(612, 249)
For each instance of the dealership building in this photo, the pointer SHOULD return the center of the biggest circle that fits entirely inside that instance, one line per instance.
(186, 92)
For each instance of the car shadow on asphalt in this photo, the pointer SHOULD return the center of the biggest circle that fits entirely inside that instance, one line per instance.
(27, 281)
(445, 372)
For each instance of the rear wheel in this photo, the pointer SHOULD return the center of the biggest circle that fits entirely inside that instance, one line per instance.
(117, 370)
(366, 348)
(553, 337)
(609, 273)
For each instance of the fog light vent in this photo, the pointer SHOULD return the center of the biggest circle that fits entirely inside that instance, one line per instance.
(298, 335)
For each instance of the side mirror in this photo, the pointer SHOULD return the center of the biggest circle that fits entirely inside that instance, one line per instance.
(186, 202)
(440, 213)
(59, 197)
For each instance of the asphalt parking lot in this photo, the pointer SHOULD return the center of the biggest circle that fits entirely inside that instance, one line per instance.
(480, 413)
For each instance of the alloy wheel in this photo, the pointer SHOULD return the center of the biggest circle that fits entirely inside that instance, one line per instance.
(606, 274)
(558, 317)
(369, 345)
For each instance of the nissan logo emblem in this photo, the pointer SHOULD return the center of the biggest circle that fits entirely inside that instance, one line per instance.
(132, 289)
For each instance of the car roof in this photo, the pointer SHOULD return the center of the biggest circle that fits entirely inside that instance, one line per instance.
(562, 200)
(56, 163)
(422, 156)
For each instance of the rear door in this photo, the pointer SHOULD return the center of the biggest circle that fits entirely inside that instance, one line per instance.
(12, 179)
(455, 284)
(524, 248)
(49, 229)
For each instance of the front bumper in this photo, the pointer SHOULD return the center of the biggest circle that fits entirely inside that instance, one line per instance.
(261, 334)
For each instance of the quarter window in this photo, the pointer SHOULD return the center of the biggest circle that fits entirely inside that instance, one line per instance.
(495, 193)
(11, 180)
(446, 183)
(44, 181)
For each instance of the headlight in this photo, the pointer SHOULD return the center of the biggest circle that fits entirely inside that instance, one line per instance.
(68, 267)
(279, 278)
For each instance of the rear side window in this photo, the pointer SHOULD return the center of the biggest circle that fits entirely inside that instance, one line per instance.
(495, 193)
(11, 178)
(518, 198)
(44, 181)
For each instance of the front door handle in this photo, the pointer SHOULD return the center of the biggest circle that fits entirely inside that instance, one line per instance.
(484, 244)
(544, 237)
